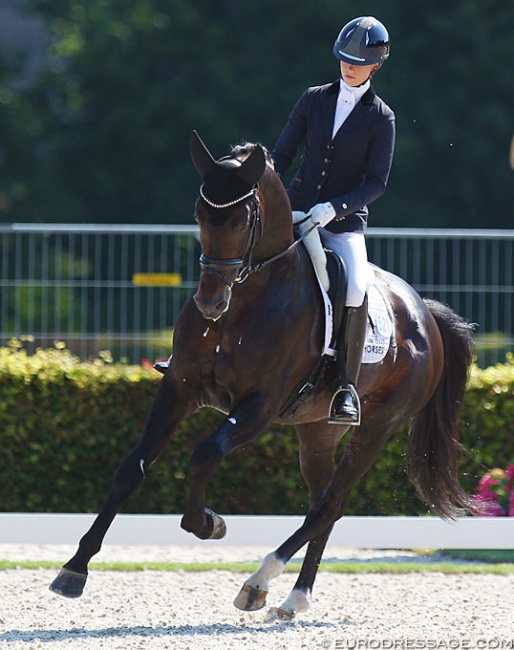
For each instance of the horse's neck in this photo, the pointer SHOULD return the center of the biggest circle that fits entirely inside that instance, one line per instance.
(277, 232)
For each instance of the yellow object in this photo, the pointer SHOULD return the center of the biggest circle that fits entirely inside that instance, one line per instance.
(157, 279)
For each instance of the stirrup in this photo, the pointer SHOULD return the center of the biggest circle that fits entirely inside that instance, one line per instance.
(342, 420)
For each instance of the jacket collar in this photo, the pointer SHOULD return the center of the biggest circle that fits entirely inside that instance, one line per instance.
(367, 98)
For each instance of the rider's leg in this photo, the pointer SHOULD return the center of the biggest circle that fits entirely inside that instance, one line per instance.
(345, 406)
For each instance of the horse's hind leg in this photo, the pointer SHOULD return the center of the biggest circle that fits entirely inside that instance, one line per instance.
(300, 597)
(361, 452)
(158, 430)
(318, 443)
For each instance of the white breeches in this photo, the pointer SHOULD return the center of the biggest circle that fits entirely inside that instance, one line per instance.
(351, 246)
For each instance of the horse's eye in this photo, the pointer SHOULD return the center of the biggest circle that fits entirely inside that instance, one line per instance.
(244, 224)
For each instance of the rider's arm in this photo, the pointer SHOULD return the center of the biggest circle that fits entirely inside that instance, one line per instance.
(378, 166)
(291, 137)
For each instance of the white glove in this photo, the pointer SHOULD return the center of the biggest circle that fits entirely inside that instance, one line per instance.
(322, 213)
(298, 215)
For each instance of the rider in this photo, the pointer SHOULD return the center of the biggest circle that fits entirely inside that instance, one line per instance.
(348, 134)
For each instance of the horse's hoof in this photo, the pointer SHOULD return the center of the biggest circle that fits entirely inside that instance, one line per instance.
(69, 584)
(250, 599)
(285, 614)
(278, 613)
(219, 528)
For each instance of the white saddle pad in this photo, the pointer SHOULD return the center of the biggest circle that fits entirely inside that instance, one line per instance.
(379, 330)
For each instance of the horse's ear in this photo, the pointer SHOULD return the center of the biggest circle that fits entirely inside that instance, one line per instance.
(253, 167)
(200, 155)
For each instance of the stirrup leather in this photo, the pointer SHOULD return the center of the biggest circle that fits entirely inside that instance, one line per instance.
(356, 400)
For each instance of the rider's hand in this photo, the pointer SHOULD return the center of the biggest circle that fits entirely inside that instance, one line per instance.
(322, 213)
(298, 215)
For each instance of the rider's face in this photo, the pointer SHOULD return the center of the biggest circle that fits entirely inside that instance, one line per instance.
(356, 75)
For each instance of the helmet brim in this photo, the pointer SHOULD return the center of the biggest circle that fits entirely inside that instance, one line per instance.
(355, 60)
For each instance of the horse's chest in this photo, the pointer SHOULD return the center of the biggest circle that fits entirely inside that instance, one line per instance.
(227, 366)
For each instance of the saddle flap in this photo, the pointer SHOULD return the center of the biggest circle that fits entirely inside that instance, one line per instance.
(338, 284)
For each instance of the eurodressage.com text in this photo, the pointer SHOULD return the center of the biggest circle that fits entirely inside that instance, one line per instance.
(424, 644)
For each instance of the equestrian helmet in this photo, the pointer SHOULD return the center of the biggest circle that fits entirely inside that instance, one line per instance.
(363, 41)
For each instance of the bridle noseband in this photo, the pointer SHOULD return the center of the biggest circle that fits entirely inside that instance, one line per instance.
(209, 264)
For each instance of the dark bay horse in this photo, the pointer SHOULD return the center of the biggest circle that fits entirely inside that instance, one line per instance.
(252, 332)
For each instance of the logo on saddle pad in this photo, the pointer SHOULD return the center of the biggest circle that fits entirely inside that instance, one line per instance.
(380, 328)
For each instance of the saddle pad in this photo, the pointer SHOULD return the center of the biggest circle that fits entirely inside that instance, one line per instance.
(379, 330)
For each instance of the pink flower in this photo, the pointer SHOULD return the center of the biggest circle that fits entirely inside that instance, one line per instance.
(488, 507)
(495, 496)
(486, 484)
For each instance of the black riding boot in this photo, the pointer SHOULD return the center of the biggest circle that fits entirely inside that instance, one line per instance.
(345, 407)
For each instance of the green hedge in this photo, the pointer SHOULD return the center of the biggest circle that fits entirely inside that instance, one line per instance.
(65, 426)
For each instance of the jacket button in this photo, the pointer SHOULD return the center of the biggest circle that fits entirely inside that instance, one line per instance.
(345, 206)
(323, 173)
(319, 187)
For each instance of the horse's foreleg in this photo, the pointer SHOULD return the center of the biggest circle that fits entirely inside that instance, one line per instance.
(158, 430)
(243, 425)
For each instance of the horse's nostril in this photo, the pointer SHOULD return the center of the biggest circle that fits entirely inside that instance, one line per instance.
(211, 309)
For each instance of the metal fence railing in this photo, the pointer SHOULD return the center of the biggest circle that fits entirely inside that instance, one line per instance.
(470, 270)
(120, 288)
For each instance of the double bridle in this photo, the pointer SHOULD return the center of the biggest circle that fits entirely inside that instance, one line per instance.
(210, 264)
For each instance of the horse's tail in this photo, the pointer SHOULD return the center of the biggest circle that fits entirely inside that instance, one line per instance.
(434, 448)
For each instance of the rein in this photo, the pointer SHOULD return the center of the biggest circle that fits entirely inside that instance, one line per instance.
(208, 264)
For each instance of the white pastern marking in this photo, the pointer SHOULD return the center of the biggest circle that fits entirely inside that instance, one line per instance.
(240, 341)
(142, 467)
(297, 602)
(206, 332)
(270, 568)
(232, 420)
(217, 349)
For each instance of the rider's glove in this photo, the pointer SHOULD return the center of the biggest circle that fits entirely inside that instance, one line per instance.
(298, 215)
(322, 213)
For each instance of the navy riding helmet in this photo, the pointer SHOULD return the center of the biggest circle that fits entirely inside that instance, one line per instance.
(363, 41)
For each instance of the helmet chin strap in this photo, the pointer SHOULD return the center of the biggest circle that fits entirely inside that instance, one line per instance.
(379, 65)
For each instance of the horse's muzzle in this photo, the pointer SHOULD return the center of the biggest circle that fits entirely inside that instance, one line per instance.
(212, 303)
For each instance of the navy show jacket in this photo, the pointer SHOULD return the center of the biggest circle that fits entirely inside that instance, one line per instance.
(351, 170)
